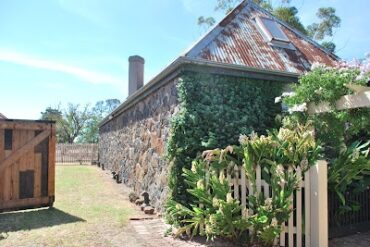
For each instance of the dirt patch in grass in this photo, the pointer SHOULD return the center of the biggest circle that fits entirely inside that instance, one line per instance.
(90, 210)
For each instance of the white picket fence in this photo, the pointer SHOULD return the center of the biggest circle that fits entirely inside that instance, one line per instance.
(310, 227)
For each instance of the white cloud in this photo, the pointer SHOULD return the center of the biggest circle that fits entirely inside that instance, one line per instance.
(86, 75)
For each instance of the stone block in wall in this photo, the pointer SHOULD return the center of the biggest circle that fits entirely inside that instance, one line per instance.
(131, 153)
(135, 143)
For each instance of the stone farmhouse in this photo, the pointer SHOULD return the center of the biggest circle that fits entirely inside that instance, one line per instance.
(248, 43)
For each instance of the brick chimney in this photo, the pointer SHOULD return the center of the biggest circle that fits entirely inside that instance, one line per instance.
(135, 74)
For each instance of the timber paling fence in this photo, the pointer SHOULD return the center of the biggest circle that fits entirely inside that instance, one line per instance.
(349, 222)
(72, 153)
(307, 225)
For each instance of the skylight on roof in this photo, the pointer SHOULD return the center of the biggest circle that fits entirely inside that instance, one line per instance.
(271, 29)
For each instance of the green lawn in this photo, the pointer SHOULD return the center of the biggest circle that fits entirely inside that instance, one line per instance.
(90, 210)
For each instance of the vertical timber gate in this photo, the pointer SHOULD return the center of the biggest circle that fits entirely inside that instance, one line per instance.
(27, 164)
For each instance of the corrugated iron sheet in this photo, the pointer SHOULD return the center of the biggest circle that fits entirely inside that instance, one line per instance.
(237, 40)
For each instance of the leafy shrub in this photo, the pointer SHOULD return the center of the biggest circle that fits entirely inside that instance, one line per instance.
(213, 207)
(348, 172)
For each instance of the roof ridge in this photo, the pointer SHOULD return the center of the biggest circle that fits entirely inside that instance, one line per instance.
(214, 29)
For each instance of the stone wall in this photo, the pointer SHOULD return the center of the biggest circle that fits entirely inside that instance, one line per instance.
(133, 143)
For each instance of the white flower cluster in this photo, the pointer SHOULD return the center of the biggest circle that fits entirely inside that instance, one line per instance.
(363, 65)
(268, 203)
(298, 108)
(280, 173)
(284, 95)
(243, 139)
(317, 65)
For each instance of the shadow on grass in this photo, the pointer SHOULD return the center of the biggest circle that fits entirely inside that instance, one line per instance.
(28, 220)
(218, 242)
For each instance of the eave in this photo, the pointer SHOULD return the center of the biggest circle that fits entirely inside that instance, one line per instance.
(198, 65)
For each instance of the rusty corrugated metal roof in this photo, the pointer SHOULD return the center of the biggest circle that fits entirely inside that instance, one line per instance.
(236, 44)
(238, 40)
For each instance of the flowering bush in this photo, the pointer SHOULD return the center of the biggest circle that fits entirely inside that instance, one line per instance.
(335, 129)
(324, 83)
(278, 155)
(340, 132)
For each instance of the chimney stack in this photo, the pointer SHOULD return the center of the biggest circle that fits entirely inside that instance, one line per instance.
(135, 74)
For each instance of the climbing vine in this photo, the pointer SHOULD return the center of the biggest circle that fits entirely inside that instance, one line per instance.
(343, 134)
(335, 129)
(214, 111)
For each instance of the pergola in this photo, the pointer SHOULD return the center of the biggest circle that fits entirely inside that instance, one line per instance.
(319, 207)
(360, 99)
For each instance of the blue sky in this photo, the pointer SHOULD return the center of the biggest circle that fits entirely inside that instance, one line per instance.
(58, 51)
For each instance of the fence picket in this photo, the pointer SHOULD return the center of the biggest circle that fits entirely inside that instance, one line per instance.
(299, 208)
(258, 179)
(292, 230)
(282, 235)
(69, 153)
(291, 220)
(236, 182)
(266, 189)
(229, 180)
(243, 187)
(307, 206)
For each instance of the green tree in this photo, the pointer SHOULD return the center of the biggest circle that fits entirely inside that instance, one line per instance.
(73, 123)
(289, 15)
(110, 105)
(328, 45)
(70, 122)
(328, 21)
(79, 123)
(52, 114)
(206, 21)
(97, 114)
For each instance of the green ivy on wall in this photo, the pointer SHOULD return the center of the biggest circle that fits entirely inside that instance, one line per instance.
(214, 111)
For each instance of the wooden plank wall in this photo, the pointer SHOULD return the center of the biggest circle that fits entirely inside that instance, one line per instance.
(27, 163)
(71, 153)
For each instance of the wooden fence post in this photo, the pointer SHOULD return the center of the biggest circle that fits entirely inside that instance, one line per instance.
(319, 204)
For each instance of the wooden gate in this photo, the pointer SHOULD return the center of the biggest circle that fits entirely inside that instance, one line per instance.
(27, 164)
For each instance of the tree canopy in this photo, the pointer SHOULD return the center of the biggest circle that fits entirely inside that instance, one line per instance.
(78, 123)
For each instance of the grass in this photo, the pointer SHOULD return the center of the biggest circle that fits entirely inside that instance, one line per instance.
(90, 210)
